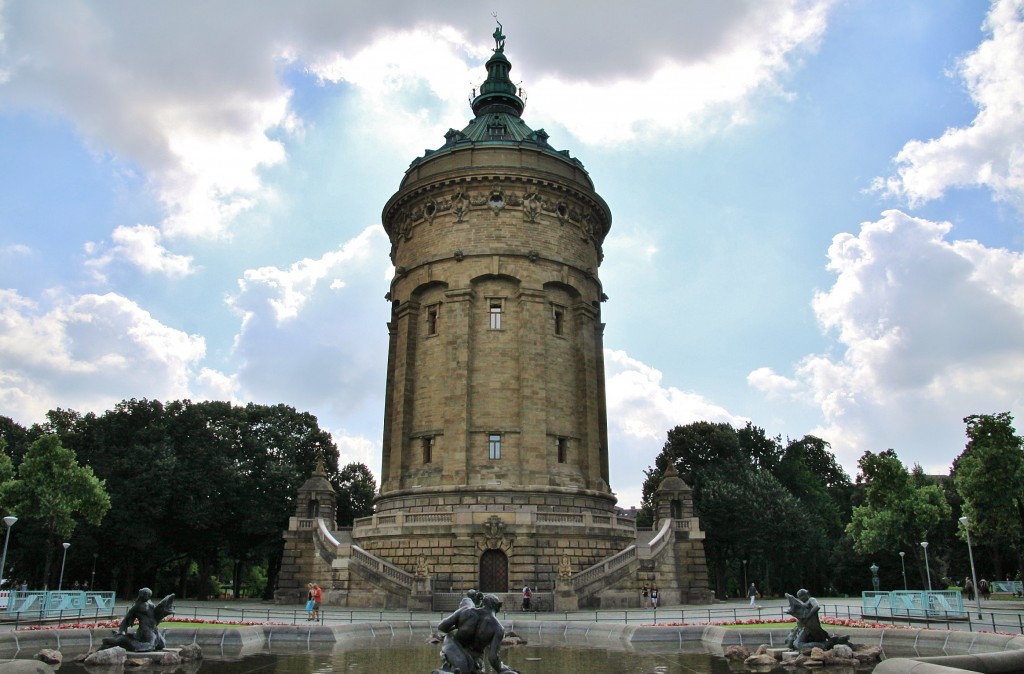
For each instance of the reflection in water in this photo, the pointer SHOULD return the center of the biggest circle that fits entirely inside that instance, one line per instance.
(423, 659)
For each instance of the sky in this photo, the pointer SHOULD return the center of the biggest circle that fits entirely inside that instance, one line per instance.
(818, 205)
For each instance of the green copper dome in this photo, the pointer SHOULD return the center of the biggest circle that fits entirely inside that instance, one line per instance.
(498, 109)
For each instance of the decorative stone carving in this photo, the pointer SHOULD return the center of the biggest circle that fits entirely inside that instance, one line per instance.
(562, 211)
(403, 224)
(422, 568)
(565, 567)
(460, 207)
(495, 536)
(531, 206)
(496, 201)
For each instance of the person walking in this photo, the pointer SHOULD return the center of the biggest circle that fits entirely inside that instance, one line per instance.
(527, 595)
(318, 596)
(654, 596)
(983, 589)
(645, 596)
(309, 602)
(969, 589)
(753, 594)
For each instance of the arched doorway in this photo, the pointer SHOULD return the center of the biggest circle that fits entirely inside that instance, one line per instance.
(493, 571)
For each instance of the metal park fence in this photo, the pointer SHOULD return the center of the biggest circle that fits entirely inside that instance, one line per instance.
(34, 606)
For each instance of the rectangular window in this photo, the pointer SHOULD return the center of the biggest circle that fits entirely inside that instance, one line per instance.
(562, 448)
(494, 446)
(495, 314)
(559, 321)
(428, 449)
(432, 320)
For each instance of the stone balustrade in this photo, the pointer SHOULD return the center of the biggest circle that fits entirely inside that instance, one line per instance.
(402, 520)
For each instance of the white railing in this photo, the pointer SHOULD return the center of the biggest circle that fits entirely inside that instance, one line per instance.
(363, 558)
(663, 537)
(604, 568)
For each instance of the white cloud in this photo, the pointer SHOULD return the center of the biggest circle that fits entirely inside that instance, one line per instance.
(358, 449)
(193, 112)
(641, 410)
(213, 385)
(287, 291)
(689, 97)
(140, 245)
(15, 249)
(641, 407)
(304, 332)
(930, 330)
(88, 352)
(990, 151)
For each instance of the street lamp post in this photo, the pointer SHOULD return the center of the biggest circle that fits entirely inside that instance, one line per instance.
(744, 575)
(92, 581)
(9, 521)
(60, 582)
(927, 572)
(904, 567)
(874, 575)
(974, 577)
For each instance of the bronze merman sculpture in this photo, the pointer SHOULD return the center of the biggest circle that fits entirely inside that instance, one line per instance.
(808, 632)
(148, 615)
(473, 636)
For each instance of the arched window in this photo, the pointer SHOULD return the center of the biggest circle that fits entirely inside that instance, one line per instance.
(314, 509)
(677, 509)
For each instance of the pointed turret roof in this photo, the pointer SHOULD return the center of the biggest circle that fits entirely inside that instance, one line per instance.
(498, 108)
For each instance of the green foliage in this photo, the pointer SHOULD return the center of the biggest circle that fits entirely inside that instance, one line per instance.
(989, 476)
(55, 492)
(193, 486)
(355, 489)
(6, 468)
(54, 489)
(758, 502)
(900, 508)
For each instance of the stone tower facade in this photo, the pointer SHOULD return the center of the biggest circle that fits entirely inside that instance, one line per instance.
(495, 449)
(495, 409)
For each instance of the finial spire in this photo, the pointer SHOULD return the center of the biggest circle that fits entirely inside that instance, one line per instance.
(498, 91)
(499, 39)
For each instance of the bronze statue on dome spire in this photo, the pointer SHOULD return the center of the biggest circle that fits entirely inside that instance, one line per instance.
(499, 39)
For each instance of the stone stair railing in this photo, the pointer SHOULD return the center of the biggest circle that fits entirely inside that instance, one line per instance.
(604, 573)
(376, 565)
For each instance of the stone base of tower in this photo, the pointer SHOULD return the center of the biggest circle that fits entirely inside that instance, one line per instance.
(494, 541)
(569, 546)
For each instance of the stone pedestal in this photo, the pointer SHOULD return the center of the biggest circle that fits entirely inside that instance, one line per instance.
(422, 595)
(565, 596)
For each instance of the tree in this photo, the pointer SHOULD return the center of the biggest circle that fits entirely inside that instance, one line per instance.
(54, 490)
(355, 490)
(900, 508)
(989, 476)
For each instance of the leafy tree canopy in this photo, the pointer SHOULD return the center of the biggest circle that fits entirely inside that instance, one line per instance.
(989, 476)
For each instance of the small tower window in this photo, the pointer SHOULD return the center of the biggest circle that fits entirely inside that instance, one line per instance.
(562, 446)
(494, 446)
(432, 320)
(428, 449)
(495, 314)
(559, 320)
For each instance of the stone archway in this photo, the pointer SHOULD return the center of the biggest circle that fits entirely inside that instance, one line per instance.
(493, 571)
